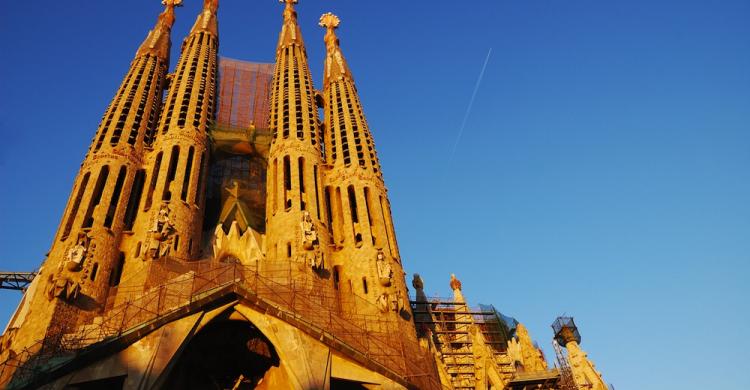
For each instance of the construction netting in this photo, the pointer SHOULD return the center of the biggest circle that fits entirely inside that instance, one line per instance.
(241, 141)
(244, 93)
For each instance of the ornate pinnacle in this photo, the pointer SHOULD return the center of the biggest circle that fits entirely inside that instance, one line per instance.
(290, 2)
(329, 21)
(211, 5)
(455, 283)
(172, 3)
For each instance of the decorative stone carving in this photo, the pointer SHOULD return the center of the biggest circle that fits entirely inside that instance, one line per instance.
(397, 302)
(63, 287)
(316, 261)
(382, 302)
(417, 282)
(162, 234)
(66, 282)
(76, 254)
(309, 235)
(385, 272)
(455, 283)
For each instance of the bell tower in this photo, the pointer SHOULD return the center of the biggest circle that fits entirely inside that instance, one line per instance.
(75, 279)
(294, 201)
(365, 253)
(173, 193)
(582, 369)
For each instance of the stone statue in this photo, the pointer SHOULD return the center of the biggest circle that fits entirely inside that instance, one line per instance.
(315, 260)
(385, 272)
(65, 282)
(397, 303)
(63, 287)
(382, 302)
(417, 282)
(77, 253)
(309, 235)
(162, 233)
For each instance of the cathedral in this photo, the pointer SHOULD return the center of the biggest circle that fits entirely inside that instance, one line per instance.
(230, 228)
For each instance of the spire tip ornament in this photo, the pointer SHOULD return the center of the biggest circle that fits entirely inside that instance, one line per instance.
(329, 21)
(172, 3)
(211, 5)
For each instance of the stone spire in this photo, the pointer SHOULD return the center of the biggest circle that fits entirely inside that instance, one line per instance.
(335, 65)
(455, 284)
(522, 349)
(349, 140)
(294, 208)
(290, 31)
(207, 19)
(158, 41)
(173, 194)
(360, 220)
(83, 262)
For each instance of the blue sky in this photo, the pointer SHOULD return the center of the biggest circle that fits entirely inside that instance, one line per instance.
(603, 169)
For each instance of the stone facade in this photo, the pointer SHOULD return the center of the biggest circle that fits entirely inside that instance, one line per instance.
(144, 288)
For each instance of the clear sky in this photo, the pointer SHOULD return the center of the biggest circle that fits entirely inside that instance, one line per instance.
(602, 171)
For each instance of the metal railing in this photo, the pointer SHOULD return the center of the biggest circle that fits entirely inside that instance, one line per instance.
(301, 297)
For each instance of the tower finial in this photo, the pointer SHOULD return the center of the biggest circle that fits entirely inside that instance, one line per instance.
(455, 283)
(211, 5)
(329, 21)
(157, 41)
(289, 12)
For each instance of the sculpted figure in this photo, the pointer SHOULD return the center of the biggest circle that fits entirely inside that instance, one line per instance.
(382, 302)
(417, 282)
(64, 288)
(161, 233)
(397, 303)
(76, 253)
(316, 261)
(385, 272)
(309, 235)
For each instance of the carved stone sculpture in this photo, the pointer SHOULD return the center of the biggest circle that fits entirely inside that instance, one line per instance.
(309, 235)
(385, 272)
(397, 302)
(66, 281)
(162, 233)
(382, 302)
(455, 283)
(417, 282)
(63, 287)
(76, 254)
(315, 260)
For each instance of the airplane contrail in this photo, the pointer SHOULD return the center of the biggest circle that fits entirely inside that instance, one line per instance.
(468, 109)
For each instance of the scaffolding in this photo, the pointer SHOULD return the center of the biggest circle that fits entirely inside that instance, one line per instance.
(566, 375)
(244, 93)
(449, 324)
(16, 280)
(302, 299)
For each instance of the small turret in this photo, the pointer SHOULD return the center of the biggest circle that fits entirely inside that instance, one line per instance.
(583, 370)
